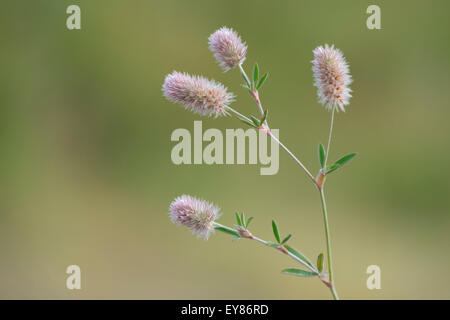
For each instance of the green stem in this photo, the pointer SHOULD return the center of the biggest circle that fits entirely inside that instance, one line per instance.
(244, 74)
(242, 117)
(329, 135)
(258, 102)
(327, 235)
(325, 214)
(310, 176)
(237, 114)
(267, 243)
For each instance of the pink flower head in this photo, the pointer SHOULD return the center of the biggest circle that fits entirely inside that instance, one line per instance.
(197, 94)
(332, 77)
(228, 48)
(198, 215)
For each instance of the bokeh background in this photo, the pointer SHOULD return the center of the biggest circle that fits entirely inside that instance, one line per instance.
(86, 176)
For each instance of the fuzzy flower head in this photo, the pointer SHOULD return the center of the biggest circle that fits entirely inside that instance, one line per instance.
(228, 48)
(332, 77)
(197, 94)
(198, 215)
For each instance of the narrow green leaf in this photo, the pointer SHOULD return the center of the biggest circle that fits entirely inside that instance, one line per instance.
(239, 221)
(235, 239)
(340, 162)
(264, 117)
(243, 220)
(255, 120)
(248, 221)
(320, 262)
(248, 123)
(275, 231)
(345, 159)
(261, 81)
(299, 272)
(321, 155)
(255, 74)
(298, 254)
(228, 230)
(273, 245)
(332, 168)
(286, 239)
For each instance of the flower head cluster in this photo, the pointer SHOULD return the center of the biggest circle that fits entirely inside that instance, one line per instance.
(198, 215)
(228, 48)
(332, 77)
(197, 94)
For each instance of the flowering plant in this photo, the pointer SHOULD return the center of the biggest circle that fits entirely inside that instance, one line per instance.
(210, 98)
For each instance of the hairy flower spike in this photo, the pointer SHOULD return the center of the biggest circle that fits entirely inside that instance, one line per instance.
(197, 94)
(332, 77)
(228, 48)
(198, 215)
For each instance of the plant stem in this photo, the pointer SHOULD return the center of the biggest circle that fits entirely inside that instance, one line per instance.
(310, 176)
(244, 74)
(242, 117)
(261, 109)
(327, 235)
(275, 139)
(247, 80)
(266, 243)
(237, 114)
(325, 214)
(329, 135)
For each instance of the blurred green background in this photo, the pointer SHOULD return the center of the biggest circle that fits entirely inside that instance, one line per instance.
(86, 176)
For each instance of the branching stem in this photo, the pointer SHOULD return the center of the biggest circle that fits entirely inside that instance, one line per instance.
(327, 236)
(267, 243)
(258, 102)
(310, 176)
